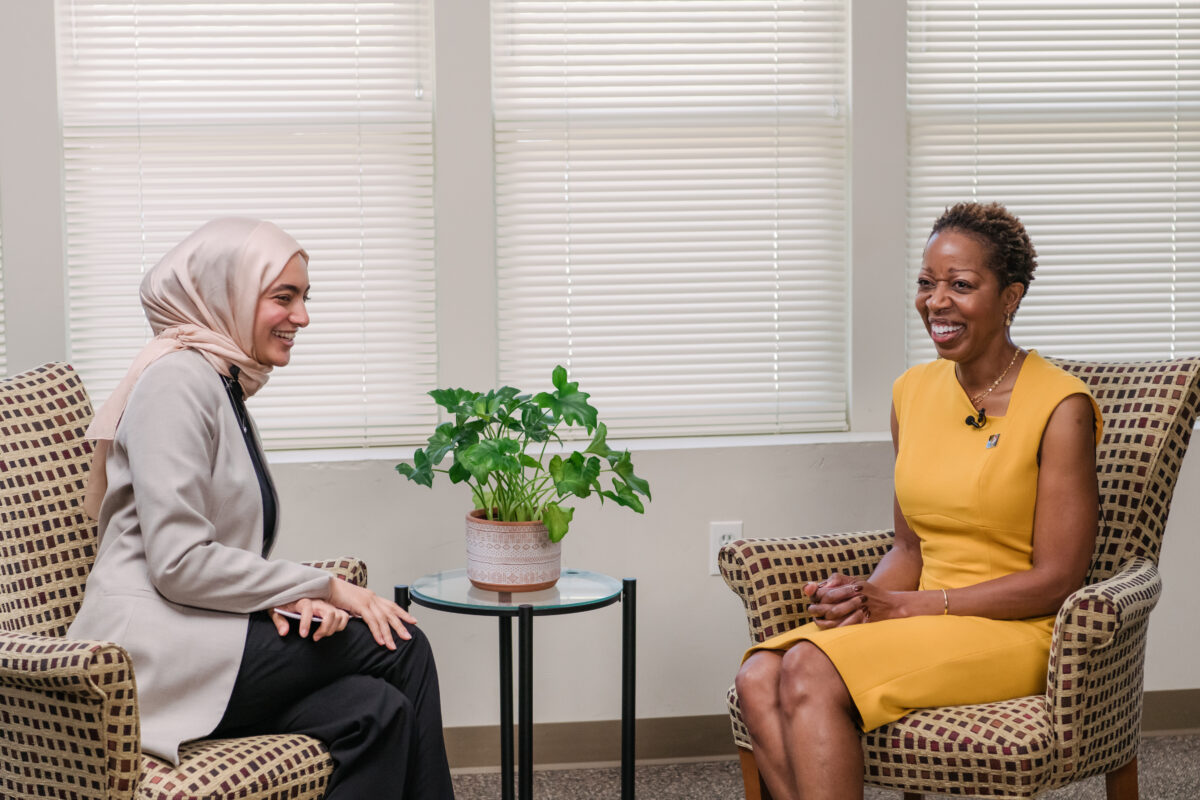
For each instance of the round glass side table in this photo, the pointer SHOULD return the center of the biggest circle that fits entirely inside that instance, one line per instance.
(576, 591)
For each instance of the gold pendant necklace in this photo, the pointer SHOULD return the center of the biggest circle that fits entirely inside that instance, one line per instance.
(977, 399)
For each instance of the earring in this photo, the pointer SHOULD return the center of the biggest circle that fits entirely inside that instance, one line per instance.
(1008, 318)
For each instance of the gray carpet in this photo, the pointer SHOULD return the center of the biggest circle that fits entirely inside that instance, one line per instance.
(1169, 769)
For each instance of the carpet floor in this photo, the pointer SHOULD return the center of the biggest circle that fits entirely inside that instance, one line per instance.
(1168, 767)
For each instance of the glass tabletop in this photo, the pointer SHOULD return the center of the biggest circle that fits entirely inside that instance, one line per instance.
(576, 590)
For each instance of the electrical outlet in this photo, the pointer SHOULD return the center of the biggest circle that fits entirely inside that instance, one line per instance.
(719, 535)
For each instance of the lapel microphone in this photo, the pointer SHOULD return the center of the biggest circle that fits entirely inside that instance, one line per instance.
(978, 423)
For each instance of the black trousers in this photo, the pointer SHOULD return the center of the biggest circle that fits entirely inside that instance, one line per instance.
(378, 710)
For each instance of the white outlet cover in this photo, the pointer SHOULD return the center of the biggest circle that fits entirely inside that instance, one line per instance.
(719, 535)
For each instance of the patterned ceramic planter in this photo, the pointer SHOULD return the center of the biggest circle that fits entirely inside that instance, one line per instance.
(511, 556)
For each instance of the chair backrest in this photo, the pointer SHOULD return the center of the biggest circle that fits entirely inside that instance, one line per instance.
(47, 541)
(1149, 409)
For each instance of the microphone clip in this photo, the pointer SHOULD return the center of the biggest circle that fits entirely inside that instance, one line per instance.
(977, 422)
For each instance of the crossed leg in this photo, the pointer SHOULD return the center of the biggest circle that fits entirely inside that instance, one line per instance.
(378, 710)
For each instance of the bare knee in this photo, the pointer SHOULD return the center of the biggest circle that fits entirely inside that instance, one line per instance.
(809, 680)
(758, 679)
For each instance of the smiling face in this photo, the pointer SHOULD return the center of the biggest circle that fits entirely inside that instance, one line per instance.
(960, 299)
(281, 312)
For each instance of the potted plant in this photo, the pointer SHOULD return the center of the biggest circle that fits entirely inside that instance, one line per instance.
(499, 441)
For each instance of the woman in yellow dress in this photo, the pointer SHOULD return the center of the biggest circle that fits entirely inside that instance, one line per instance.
(995, 518)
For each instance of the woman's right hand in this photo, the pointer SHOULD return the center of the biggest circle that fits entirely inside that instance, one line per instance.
(836, 601)
(331, 619)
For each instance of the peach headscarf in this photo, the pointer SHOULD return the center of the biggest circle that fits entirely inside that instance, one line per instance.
(202, 295)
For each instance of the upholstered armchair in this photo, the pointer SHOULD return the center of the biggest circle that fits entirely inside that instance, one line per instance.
(1089, 718)
(70, 708)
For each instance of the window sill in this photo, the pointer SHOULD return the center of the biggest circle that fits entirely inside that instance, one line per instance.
(394, 454)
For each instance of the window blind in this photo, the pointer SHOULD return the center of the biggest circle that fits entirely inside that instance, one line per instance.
(671, 204)
(1083, 118)
(315, 115)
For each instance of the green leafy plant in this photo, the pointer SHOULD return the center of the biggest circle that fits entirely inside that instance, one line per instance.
(499, 441)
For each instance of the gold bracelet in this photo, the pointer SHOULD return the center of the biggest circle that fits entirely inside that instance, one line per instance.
(945, 603)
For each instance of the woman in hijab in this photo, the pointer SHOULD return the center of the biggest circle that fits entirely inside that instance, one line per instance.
(187, 518)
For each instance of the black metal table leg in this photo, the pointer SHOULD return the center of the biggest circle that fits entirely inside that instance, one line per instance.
(401, 596)
(444, 591)
(525, 701)
(506, 709)
(628, 662)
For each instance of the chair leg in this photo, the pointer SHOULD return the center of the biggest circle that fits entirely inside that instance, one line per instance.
(752, 781)
(1122, 783)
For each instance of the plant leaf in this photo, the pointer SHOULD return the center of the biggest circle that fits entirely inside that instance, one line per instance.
(490, 455)
(567, 403)
(441, 442)
(598, 445)
(623, 466)
(458, 473)
(496, 404)
(420, 471)
(574, 475)
(472, 429)
(557, 520)
(530, 462)
(624, 496)
(509, 397)
(456, 401)
(485, 405)
(535, 423)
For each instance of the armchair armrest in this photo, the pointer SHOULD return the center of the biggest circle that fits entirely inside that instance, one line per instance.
(1095, 679)
(767, 574)
(70, 718)
(347, 568)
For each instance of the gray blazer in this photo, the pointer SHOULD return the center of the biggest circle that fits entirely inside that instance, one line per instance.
(178, 568)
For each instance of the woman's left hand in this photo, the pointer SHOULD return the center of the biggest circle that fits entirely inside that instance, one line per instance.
(882, 603)
(382, 616)
(885, 604)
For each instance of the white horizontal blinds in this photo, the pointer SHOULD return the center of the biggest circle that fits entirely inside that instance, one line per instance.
(671, 204)
(315, 115)
(1083, 118)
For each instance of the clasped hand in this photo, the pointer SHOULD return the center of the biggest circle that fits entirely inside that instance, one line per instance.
(346, 600)
(836, 601)
(841, 600)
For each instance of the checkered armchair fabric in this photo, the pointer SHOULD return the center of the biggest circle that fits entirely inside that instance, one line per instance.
(69, 708)
(1088, 721)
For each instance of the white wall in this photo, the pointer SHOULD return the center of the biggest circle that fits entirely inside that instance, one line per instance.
(31, 186)
(691, 628)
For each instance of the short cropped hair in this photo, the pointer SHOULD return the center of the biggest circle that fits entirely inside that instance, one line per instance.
(1011, 254)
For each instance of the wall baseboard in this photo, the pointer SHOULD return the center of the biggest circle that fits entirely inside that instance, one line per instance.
(671, 738)
(688, 738)
(1175, 711)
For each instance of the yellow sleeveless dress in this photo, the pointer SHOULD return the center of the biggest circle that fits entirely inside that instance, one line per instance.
(969, 495)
